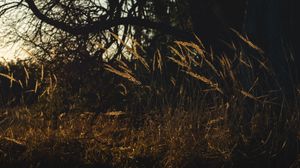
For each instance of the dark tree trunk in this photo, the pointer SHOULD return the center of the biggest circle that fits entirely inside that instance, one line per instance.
(212, 20)
(272, 24)
(205, 23)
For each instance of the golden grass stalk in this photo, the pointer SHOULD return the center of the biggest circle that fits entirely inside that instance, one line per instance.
(10, 77)
(157, 62)
(248, 42)
(133, 50)
(205, 80)
(122, 74)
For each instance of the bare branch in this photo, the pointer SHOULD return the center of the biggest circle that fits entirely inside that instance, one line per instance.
(101, 25)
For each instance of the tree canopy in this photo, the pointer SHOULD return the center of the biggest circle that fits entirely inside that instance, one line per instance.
(181, 19)
(87, 27)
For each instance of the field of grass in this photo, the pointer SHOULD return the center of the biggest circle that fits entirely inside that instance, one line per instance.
(188, 108)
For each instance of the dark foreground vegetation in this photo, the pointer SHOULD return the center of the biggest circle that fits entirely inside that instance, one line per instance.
(201, 114)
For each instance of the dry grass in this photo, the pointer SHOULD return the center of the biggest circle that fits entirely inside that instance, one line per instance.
(172, 140)
(208, 111)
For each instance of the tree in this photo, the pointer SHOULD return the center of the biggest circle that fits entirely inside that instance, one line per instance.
(212, 19)
(274, 27)
(149, 20)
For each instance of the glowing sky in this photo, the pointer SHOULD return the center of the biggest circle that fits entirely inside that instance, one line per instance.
(14, 51)
(8, 51)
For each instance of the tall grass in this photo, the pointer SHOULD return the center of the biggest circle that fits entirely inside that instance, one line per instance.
(187, 107)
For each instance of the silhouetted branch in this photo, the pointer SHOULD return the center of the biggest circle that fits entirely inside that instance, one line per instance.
(101, 25)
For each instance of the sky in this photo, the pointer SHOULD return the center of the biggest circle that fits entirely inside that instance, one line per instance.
(12, 51)
(9, 52)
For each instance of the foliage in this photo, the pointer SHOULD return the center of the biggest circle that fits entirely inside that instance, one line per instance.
(189, 109)
(22, 82)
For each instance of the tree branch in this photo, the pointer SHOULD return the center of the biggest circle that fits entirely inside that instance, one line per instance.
(101, 25)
